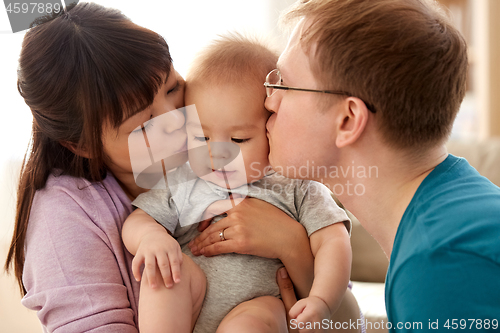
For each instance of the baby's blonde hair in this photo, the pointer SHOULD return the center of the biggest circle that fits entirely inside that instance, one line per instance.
(233, 59)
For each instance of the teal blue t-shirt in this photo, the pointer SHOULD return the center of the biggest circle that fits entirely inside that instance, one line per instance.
(444, 271)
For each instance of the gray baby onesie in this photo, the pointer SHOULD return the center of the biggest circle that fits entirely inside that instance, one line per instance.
(235, 278)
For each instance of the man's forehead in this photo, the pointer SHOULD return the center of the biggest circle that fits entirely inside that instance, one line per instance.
(294, 60)
(292, 44)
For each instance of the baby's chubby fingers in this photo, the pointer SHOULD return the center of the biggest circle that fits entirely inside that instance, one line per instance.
(164, 265)
(150, 268)
(136, 266)
(297, 309)
(175, 260)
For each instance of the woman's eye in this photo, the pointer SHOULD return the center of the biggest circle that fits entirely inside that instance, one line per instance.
(174, 89)
(146, 126)
(240, 140)
(201, 138)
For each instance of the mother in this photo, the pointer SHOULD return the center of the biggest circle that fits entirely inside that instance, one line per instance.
(90, 77)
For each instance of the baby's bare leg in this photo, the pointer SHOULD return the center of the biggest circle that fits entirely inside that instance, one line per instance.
(264, 314)
(175, 309)
(347, 313)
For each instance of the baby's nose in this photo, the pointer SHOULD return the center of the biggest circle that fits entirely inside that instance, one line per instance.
(223, 153)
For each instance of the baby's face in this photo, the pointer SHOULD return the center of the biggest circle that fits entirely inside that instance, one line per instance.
(227, 114)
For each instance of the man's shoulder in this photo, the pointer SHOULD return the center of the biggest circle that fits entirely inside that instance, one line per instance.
(455, 193)
(456, 211)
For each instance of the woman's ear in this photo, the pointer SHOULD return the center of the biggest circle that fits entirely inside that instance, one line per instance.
(73, 147)
(351, 121)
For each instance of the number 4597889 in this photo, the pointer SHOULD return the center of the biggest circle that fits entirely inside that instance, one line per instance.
(471, 324)
(33, 7)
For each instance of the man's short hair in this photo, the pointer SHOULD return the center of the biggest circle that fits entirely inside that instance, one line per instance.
(402, 56)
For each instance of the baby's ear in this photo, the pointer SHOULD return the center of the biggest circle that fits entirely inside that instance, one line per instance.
(73, 147)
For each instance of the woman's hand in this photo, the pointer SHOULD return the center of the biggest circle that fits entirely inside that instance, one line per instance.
(252, 227)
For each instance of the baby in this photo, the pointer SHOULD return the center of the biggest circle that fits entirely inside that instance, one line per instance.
(228, 158)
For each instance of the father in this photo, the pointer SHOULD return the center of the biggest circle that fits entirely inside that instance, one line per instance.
(395, 71)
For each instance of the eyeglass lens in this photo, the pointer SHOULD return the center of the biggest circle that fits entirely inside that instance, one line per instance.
(273, 77)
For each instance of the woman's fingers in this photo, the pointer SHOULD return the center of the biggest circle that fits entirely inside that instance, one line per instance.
(226, 246)
(210, 235)
(204, 224)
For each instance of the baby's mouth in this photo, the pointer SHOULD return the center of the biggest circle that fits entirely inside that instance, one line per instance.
(222, 174)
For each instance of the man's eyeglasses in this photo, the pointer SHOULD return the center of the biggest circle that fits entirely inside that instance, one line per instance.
(273, 83)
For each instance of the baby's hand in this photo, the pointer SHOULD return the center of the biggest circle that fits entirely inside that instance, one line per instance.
(156, 250)
(308, 311)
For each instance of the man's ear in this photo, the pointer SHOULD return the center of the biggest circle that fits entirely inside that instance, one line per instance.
(352, 121)
(73, 147)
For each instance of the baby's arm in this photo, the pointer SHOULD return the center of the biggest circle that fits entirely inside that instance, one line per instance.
(154, 246)
(332, 266)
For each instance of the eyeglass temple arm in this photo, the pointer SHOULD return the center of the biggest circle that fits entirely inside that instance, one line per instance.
(334, 92)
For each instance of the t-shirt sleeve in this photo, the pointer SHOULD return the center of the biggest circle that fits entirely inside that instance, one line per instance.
(446, 290)
(71, 271)
(160, 205)
(317, 208)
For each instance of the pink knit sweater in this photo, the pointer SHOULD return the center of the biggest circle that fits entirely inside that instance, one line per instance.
(77, 272)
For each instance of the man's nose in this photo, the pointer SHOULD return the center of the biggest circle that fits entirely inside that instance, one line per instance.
(272, 102)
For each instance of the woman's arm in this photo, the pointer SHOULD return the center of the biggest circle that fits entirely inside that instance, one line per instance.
(258, 228)
(76, 270)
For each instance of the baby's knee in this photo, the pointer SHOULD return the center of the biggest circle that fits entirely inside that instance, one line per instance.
(197, 280)
(266, 314)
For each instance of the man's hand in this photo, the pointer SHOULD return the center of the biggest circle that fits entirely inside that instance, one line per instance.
(287, 293)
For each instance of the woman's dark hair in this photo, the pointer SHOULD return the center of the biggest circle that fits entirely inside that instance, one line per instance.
(86, 66)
